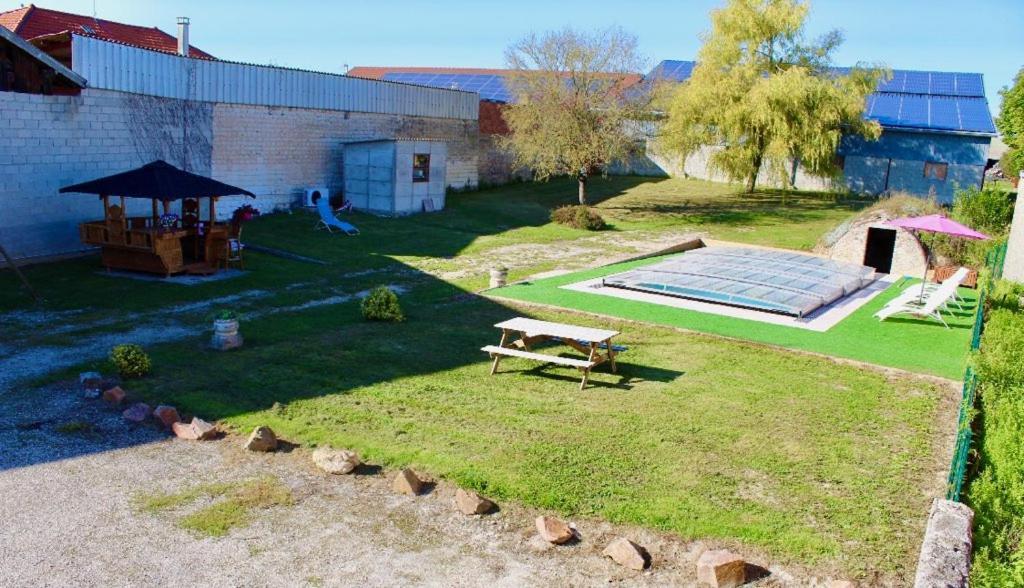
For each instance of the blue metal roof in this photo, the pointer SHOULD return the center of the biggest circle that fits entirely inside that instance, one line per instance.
(921, 100)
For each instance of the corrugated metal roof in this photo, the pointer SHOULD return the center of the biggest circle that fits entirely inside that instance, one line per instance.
(114, 66)
(924, 100)
(490, 84)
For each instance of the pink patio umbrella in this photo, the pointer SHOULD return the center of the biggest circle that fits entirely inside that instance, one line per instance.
(936, 223)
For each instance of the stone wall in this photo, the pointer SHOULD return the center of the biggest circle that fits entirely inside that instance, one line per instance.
(945, 558)
(51, 141)
(849, 243)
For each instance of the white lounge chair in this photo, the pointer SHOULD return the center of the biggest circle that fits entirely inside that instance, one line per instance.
(958, 278)
(330, 222)
(930, 307)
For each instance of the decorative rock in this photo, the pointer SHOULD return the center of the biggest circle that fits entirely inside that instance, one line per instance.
(167, 415)
(554, 530)
(203, 429)
(626, 553)
(137, 413)
(336, 461)
(185, 431)
(114, 395)
(90, 379)
(262, 439)
(471, 503)
(91, 393)
(197, 430)
(407, 482)
(721, 569)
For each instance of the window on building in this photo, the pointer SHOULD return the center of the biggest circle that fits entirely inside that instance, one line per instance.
(421, 167)
(934, 170)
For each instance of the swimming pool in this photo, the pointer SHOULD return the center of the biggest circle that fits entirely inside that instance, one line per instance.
(762, 279)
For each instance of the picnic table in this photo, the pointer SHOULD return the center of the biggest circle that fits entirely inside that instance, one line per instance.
(519, 335)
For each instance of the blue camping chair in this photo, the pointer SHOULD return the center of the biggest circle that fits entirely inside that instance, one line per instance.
(330, 222)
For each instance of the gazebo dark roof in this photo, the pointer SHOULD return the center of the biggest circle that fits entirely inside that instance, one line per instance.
(158, 180)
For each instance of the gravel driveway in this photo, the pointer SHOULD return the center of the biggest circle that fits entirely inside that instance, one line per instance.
(68, 518)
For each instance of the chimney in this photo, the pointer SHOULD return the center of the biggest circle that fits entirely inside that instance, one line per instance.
(183, 45)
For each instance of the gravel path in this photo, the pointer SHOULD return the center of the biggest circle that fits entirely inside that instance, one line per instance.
(68, 518)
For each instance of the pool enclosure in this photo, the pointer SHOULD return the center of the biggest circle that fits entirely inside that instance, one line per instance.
(762, 279)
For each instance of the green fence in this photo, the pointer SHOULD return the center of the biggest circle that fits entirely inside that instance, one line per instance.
(965, 420)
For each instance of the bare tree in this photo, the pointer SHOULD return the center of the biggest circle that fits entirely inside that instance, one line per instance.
(573, 108)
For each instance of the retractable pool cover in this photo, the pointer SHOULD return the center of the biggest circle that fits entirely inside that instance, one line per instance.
(762, 279)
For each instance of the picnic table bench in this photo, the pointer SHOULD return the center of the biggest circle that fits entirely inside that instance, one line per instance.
(596, 344)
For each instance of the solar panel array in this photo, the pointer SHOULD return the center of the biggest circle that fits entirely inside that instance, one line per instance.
(489, 86)
(931, 100)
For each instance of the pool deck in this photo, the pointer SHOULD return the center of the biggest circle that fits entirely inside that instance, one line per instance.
(821, 320)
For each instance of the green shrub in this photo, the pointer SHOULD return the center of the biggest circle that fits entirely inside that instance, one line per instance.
(382, 305)
(997, 491)
(131, 361)
(989, 210)
(579, 217)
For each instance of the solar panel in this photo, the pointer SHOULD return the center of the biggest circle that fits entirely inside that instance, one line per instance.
(885, 108)
(975, 115)
(895, 84)
(943, 83)
(944, 114)
(914, 111)
(970, 85)
(916, 82)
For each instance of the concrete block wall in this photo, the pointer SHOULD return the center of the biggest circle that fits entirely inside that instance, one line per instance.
(47, 142)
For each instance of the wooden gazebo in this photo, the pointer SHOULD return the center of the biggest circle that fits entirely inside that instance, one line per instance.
(162, 243)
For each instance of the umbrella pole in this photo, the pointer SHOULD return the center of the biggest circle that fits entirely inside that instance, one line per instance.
(21, 276)
(927, 264)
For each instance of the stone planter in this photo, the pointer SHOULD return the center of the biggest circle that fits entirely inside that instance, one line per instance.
(226, 335)
(499, 277)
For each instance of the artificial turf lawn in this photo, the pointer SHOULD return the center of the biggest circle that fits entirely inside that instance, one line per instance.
(900, 342)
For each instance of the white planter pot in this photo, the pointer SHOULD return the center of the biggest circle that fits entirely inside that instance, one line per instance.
(499, 277)
(225, 335)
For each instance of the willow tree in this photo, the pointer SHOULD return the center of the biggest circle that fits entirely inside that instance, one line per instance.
(571, 113)
(762, 96)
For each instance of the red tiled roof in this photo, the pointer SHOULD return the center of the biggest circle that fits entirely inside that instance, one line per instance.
(31, 21)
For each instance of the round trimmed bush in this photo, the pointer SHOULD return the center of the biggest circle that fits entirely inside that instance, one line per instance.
(578, 217)
(130, 360)
(382, 305)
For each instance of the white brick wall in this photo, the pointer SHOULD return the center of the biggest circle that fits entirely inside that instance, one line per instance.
(51, 141)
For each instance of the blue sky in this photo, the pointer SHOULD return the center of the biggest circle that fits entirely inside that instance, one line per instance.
(984, 36)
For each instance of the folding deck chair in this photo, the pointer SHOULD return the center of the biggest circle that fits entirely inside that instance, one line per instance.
(329, 222)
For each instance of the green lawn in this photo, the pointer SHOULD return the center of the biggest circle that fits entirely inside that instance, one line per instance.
(792, 458)
(905, 343)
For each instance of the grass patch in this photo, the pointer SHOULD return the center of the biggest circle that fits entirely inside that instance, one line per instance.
(76, 428)
(233, 505)
(905, 343)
